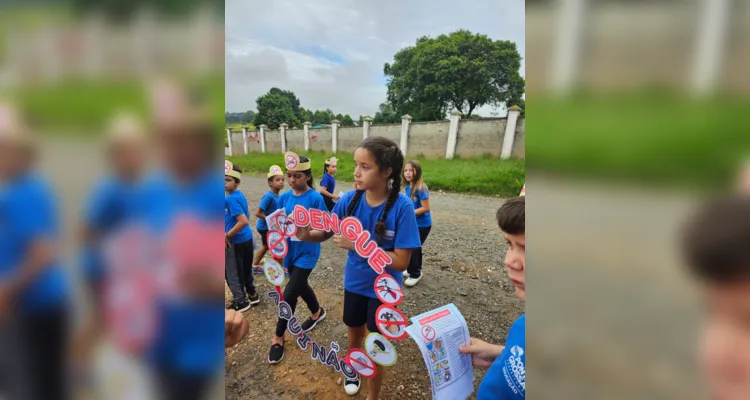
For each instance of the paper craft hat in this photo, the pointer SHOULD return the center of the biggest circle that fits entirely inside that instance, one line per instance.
(523, 190)
(274, 171)
(293, 163)
(228, 171)
(332, 161)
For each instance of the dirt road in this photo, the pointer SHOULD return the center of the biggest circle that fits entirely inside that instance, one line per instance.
(462, 264)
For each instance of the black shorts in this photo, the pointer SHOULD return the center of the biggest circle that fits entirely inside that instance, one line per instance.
(263, 237)
(360, 310)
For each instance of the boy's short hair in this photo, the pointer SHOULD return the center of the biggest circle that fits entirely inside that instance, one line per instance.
(716, 241)
(511, 216)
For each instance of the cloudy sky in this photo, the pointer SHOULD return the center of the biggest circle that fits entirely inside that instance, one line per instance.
(331, 52)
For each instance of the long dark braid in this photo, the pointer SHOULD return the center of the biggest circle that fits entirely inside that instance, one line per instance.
(387, 155)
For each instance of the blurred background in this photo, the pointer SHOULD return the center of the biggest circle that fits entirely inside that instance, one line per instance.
(70, 66)
(637, 112)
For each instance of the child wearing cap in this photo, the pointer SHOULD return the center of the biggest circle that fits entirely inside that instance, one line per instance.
(239, 243)
(301, 257)
(268, 204)
(328, 183)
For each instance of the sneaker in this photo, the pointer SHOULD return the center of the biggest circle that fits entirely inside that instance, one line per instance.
(411, 281)
(406, 274)
(240, 306)
(351, 386)
(258, 270)
(311, 323)
(253, 298)
(276, 354)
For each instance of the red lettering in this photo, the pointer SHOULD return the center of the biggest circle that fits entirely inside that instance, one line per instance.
(316, 219)
(301, 216)
(364, 246)
(335, 224)
(351, 228)
(379, 260)
(327, 223)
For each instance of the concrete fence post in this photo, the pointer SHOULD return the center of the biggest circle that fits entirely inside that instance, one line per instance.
(405, 121)
(307, 135)
(229, 140)
(263, 138)
(510, 132)
(282, 134)
(335, 139)
(245, 138)
(366, 122)
(450, 150)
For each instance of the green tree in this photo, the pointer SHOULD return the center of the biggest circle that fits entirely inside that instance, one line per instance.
(296, 109)
(460, 70)
(275, 108)
(347, 120)
(386, 115)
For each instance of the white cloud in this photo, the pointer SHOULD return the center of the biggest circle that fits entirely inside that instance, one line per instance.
(297, 45)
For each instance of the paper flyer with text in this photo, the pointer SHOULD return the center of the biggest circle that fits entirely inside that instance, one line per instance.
(439, 333)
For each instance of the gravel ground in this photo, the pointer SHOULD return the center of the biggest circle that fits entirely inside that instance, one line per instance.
(463, 265)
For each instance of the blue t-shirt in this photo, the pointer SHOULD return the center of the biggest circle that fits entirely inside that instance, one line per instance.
(400, 233)
(329, 183)
(111, 205)
(268, 203)
(235, 204)
(28, 212)
(424, 220)
(506, 378)
(191, 333)
(301, 254)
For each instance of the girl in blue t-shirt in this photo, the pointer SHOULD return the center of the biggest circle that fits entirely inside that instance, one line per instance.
(389, 217)
(417, 191)
(268, 204)
(328, 184)
(301, 257)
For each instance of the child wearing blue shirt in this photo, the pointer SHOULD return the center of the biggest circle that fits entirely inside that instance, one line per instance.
(506, 377)
(389, 217)
(328, 184)
(239, 243)
(301, 257)
(34, 290)
(268, 204)
(417, 191)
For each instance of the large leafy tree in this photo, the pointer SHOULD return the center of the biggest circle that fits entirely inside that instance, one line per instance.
(386, 115)
(459, 71)
(274, 109)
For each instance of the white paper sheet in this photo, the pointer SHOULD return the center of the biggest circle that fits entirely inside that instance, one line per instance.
(439, 333)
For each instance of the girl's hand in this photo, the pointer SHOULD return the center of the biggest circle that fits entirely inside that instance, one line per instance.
(342, 243)
(482, 353)
(227, 242)
(303, 233)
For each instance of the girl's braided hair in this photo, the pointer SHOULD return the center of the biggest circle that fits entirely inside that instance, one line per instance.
(387, 155)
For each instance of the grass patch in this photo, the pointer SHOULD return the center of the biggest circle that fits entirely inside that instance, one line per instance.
(653, 138)
(238, 127)
(485, 175)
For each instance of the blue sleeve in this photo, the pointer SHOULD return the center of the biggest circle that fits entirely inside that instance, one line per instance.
(424, 194)
(235, 207)
(318, 203)
(100, 203)
(38, 218)
(407, 233)
(264, 202)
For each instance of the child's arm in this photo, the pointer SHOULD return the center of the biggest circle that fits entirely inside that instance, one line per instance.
(424, 209)
(483, 354)
(324, 191)
(260, 214)
(242, 222)
(311, 235)
(40, 256)
(400, 257)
